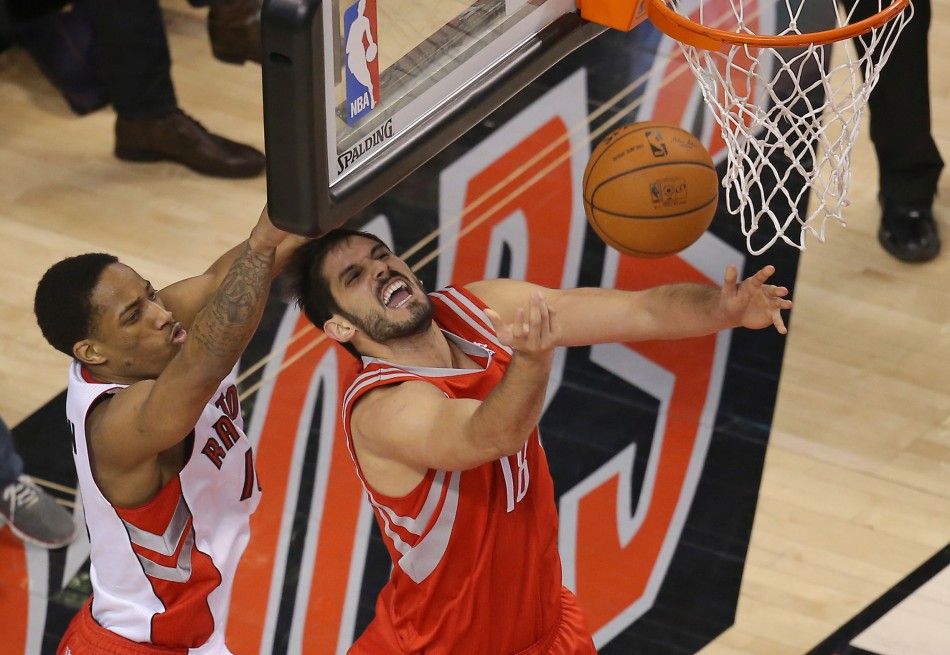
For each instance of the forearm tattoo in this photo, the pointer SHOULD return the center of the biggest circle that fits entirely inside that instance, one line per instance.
(229, 318)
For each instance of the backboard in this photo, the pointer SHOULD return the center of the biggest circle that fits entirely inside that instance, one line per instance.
(359, 93)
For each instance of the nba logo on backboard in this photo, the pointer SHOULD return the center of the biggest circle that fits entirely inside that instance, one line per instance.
(360, 55)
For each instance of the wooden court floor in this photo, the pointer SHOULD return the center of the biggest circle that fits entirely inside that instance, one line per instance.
(856, 489)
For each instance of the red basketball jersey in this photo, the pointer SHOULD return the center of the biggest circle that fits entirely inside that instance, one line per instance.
(475, 560)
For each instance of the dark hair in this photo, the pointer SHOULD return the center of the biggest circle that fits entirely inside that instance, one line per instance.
(63, 301)
(308, 286)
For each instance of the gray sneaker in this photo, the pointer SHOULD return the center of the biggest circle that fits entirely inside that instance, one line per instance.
(34, 516)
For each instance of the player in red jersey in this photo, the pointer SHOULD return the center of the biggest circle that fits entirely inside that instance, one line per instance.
(442, 426)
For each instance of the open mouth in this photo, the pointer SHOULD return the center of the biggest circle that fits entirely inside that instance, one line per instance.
(395, 293)
(178, 335)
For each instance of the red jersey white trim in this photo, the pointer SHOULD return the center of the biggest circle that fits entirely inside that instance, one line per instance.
(475, 317)
(462, 537)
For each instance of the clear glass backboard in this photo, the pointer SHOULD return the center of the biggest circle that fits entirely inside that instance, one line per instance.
(358, 93)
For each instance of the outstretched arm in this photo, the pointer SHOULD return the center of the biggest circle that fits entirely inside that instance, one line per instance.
(672, 311)
(185, 299)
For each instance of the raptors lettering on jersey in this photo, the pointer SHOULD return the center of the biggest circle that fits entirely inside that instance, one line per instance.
(174, 557)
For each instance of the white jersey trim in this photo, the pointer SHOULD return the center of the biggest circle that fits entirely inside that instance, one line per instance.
(416, 525)
(203, 521)
(375, 377)
(468, 347)
(453, 304)
(424, 557)
(182, 570)
(167, 542)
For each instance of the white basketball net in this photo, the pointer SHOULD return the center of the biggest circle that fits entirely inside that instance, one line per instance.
(778, 128)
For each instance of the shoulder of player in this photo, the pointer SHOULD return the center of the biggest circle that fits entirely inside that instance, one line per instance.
(113, 418)
(489, 289)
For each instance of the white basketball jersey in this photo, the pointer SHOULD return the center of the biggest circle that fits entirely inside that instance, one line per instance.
(162, 573)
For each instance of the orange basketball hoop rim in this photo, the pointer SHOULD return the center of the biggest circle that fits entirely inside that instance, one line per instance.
(626, 14)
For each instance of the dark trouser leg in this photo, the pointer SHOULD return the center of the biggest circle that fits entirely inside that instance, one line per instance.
(137, 68)
(908, 161)
(133, 56)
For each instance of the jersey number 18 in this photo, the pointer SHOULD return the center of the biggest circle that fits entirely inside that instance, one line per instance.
(520, 462)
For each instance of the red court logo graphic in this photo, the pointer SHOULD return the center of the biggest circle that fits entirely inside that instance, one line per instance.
(614, 556)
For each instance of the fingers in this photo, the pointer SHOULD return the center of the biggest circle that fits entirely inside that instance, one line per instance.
(777, 299)
(531, 330)
(776, 292)
(778, 322)
(520, 327)
(777, 295)
(729, 283)
(503, 331)
(779, 302)
(534, 320)
(764, 274)
(545, 332)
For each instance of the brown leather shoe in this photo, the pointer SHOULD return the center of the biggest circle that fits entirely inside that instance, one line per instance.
(180, 138)
(234, 27)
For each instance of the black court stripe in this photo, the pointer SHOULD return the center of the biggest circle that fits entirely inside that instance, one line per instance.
(293, 570)
(838, 643)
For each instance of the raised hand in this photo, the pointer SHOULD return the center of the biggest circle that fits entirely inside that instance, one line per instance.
(753, 303)
(534, 332)
(264, 234)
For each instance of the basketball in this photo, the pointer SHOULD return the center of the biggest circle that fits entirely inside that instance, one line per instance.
(371, 52)
(650, 189)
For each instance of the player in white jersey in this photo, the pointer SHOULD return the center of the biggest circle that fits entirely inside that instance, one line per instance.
(165, 471)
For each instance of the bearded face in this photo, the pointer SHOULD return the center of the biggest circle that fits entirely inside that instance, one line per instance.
(376, 291)
(380, 326)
